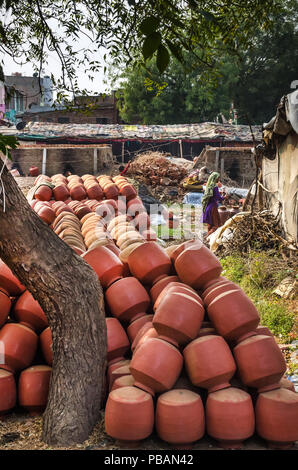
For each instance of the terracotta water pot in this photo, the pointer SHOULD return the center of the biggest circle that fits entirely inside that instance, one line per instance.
(150, 333)
(243, 317)
(230, 417)
(128, 191)
(129, 415)
(277, 418)
(34, 171)
(29, 313)
(143, 330)
(106, 264)
(43, 193)
(142, 221)
(175, 287)
(209, 363)
(127, 299)
(178, 318)
(95, 192)
(8, 392)
(111, 191)
(260, 362)
(118, 342)
(217, 289)
(9, 282)
(176, 250)
(33, 388)
(180, 417)
(213, 282)
(47, 215)
(61, 192)
(77, 192)
(135, 208)
(160, 285)
(46, 341)
(114, 366)
(149, 262)
(20, 344)
(5, 305)
(135, 326)
(124, 381)
(156, 366)
(196, 266)
(117, 373)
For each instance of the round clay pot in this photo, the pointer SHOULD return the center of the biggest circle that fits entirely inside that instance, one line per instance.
(136, 326)
(77, 193)
(95, 192)
(216, 289)
(29, 313)
(119, 372)
(149, 333)
(178, 318)
(260, 362)
(135, 207)
(128, 191)
(46, 345)
(127, 299)
(20, 344)
(243, 317)
(142, 221)
(106, 264)
(277, 418)
(230, 417)
(9, 282)
(43, 193)
(124, 381)
(129, 414)
(149, 262)
(114, 366)
(209, 363)
(8, 392)
(175, 287)
(118, 342)
(156, 366)
(33, 388)
(180, 417)
(111, 191)
(160, 285)
(5, 305)
(196, 266)
(61, 192)
(47, 215)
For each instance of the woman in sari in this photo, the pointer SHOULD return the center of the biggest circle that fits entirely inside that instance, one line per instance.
(210, 201)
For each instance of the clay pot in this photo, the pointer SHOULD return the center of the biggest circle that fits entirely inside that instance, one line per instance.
(156, 366)
(124, 381)
(77, 193)
(9, 282)
(43, 193)
(106, 264)
(33, 388)
(118, 342)
(127, 299)
(149, 235)
(149, 333)
(114, 366)
(209, 363)
(243, 317)
(5, 305)
(136, 326)
(46, 345)
(183, 246)
(29, 313)
(143, 330)
(277, 418)
(61, 192)
(142, 221)
(196, 266)
(217, 289)
(260, 362)
(230, 417)
(47, 215)
(160, 285)
(286, 383)
(34, 171)
(129, 414)
(175, 287)
(20, 344)
(149, 262)
(128, 191)
(95, 192)
(8, 392)
(178, 318)
(117, 373)
(180, 417)
(111, 191)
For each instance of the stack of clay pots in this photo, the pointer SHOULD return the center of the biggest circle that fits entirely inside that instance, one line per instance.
(24, 372)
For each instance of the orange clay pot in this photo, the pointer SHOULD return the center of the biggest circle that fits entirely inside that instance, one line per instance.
(19, 346)
(260, 362)
(216, 289)
(106, 264)
(230, 417)
(127, 299)
(129, 415)
(43, 193)
(47, 214)
(118, 342)
(175, 287)
(116, 365)
(46, 345)
(160, 285)
(209, 363)
(128, 191)
(29, 313)
(33, 388)
(8, 392)
(277, 418)
(180, 417)
(77, 192)
(135, 326)
(149, 333)
(119, 372)
(124, 381)
(61, 192)
(156, 366)
(5, 305)
(149, 262)
(9, 282)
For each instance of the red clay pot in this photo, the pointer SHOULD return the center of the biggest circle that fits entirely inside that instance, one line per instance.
(180, 417)
(142, 222)
(230, 417)
(242, 318)
(20, 344)
(29, 313)
(46, 345)
(128, 191)
(61, 192)
(43, 193)
(124, 381)
(34, 171)
(260, 362)
(135, 207)
(209, 363)
(9, 282)
(117, 373)
(150, 235)
(277, 418)
(135, 326)
(77, 193)
(116, 365)
(149, 262)
(118, 342)
(156, 366)
(106, 264)
(47, 214)
(178, 318)
(160, 285)
(127, 299)
(149, 333)
(175, 287)
(111, 191)
(213, 282)
(5, 305)
(146, 327)
(216, 289)
(33, 388)
(8, 392)
(197, 266)
(129, 414)
(95, 192)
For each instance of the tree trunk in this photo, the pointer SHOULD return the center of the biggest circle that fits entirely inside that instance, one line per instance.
(69, 292)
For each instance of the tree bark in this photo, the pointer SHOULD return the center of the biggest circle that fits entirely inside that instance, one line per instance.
(70, 294)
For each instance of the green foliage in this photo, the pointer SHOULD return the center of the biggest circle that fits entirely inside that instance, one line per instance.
(7, 143)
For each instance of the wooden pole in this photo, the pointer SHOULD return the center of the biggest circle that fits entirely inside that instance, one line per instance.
(181, 151)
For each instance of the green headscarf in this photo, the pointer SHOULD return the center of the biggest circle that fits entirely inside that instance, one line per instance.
(211, 183)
